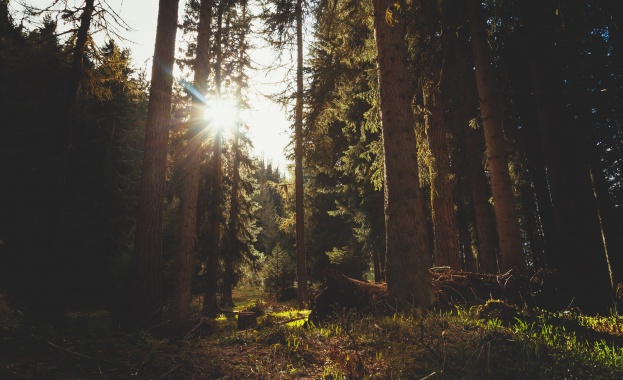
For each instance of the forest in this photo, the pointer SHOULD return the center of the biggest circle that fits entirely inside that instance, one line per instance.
(452, 206)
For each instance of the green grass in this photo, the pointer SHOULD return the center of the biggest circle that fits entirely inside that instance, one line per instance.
(454, 345)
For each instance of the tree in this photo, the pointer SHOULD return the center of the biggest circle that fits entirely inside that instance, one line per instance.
(146, 299)
(301, 267)
(180, 301)
(512, 256)
(407, 244)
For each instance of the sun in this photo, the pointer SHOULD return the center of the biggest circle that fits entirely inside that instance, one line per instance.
(222, 114)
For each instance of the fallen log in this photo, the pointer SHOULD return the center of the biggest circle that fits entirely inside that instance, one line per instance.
(456, 288)
(452, 288)
(344, 293)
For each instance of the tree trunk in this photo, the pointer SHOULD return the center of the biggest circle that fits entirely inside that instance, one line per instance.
(234, 209)
(446, 244)
(210, 301)
(509, 234)
(76, 74)
(480, 190)
(181, 298)
(407, 243)
(301, 267)
(147, 302)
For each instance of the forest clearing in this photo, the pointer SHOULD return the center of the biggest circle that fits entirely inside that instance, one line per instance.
(313, 189)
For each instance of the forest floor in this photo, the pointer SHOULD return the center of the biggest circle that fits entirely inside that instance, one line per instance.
(471, 343)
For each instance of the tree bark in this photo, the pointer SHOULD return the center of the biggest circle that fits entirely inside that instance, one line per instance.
(509, 234)
(146, 298)
(407, 243)
(181, 298)
(446, 243)
(210, 301)
(480, 190)
(301, 267)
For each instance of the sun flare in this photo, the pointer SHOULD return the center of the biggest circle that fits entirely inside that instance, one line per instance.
(222, 113)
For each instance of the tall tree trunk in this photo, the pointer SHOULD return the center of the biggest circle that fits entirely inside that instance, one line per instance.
(446, 243)
(409, 253)
(147, 302)
(181, 298)
(301, 267)
(509, 234)
(480, 190)
(210, 301)
(234, 209)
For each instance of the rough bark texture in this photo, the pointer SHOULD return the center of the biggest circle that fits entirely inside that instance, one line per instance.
(301, 267)
(146, 298)
(446, 243)
(509, 234)
(407, 243)
(181, 298)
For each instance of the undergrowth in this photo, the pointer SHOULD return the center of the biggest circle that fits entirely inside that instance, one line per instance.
(459, 344)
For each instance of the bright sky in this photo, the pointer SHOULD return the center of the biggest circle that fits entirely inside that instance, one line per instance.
(267, 121)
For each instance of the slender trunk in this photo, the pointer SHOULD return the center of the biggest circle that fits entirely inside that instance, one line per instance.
(210, 301)
(234, 210)
(446, 244)
(509, 234)
(409, 253)
(480, 191)
(146, 303)
(301, 267)
(534, 229)
(75, 82)
(181, 298)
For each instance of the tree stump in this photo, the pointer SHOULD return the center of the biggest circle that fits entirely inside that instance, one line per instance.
(246, 319)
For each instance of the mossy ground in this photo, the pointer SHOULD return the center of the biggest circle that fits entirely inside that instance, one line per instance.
(441, 345)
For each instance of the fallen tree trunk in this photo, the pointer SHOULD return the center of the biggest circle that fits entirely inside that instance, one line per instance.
(456, 288)
(344, 293)
(452, 288)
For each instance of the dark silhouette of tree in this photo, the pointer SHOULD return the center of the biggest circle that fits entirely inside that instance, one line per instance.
(181, 297)
(146, 302)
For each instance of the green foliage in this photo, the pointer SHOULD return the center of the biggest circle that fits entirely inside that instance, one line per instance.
(279, 270)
